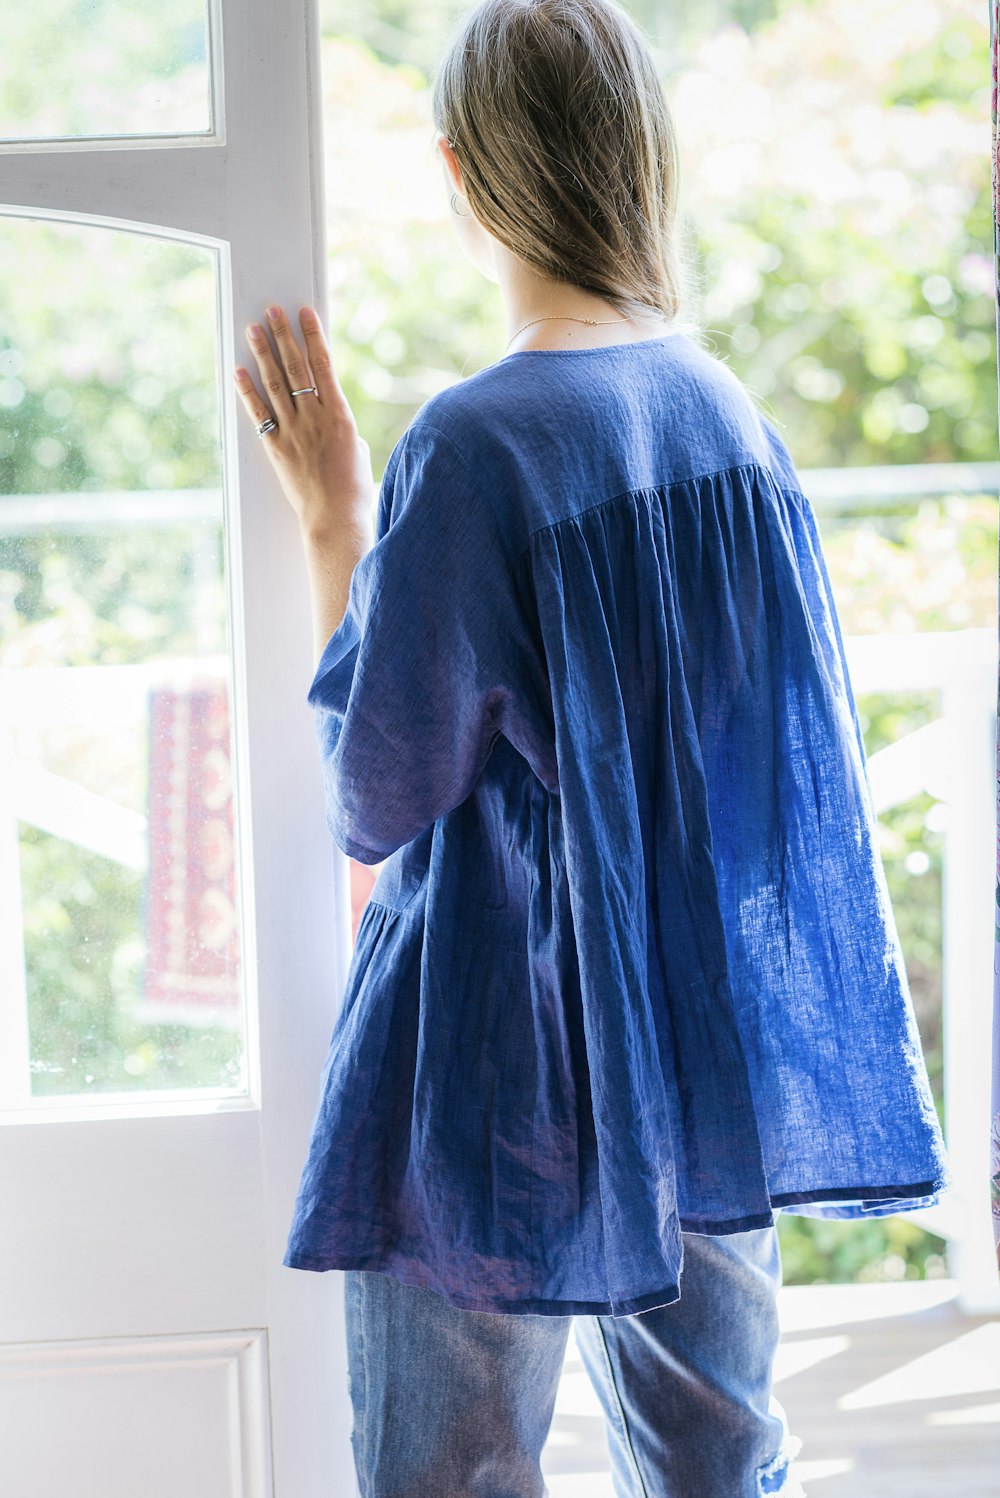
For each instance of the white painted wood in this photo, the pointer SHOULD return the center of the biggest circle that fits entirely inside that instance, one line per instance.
(13, 999)
(838, 490)
(921, 661)
(21, 514)
(969, 919)
(166, 1218)
(68, 810)
(953, 758)
(181, 188)
(907, 767)
(164, 1415)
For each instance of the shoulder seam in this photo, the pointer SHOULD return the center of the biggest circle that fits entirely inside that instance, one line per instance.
(429, 426)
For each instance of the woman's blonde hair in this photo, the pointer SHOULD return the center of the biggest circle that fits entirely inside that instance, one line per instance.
(562, 129)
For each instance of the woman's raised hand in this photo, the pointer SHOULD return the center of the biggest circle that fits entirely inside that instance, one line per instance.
(322, 461)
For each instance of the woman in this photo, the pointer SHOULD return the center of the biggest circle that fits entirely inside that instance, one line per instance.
(628, 983)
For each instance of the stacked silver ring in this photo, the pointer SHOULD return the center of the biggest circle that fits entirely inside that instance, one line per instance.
(306, 390)
(267, 425)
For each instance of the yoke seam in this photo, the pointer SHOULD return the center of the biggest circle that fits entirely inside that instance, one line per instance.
(691, 478)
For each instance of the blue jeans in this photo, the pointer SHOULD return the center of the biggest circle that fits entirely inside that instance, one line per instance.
(457, 1404)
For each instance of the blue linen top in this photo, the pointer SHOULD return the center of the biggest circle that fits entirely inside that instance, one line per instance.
(629, 967)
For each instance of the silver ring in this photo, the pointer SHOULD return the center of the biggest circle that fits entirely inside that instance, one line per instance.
(267, 425)
(306, 390)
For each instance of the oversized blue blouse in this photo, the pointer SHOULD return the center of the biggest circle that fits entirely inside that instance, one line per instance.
(629, 966)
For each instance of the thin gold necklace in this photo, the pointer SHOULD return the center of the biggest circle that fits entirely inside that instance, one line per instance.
(562, 317)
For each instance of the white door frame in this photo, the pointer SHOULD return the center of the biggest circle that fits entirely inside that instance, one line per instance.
(254, 190)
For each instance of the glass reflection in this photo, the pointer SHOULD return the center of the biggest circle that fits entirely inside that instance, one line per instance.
(119, 942)
(107, 68)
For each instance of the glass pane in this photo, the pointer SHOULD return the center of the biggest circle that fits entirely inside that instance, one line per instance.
(107, 68)
(119, 943)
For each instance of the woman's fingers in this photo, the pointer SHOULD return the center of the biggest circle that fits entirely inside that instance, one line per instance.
(322, 463)
(291, 370)
(252, 402)
(296, 371)
(320, 362)
(276, 386)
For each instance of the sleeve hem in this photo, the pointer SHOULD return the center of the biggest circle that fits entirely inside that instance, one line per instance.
(359, 851)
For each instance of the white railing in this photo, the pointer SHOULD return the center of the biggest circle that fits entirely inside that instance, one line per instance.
(951, 758)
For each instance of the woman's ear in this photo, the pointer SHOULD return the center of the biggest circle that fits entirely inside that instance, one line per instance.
(476, 241)
(450, 161)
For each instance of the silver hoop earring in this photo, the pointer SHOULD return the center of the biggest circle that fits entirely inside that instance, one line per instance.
(454, 207)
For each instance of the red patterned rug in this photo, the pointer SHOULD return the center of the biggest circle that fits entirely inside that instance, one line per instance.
(192, 926)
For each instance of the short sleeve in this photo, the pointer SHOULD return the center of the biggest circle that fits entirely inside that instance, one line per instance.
(412, 687)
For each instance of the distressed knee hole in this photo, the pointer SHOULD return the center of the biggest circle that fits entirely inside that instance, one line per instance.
(773, 1477)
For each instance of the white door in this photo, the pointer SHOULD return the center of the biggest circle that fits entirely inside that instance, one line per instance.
(167, 889)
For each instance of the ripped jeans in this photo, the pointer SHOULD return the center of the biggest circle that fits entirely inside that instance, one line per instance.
(451, 1403)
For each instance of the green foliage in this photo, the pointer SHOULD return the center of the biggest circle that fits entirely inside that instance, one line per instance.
(114, 391)
(108, 385)
(846, 244)
(84, 960)
(814, 1252)
(114, 69)
(116, 596)
(929, 566)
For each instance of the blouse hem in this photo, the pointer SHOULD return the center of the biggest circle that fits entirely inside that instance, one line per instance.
(910, 1195)
(528, 1306)
(852, 1200)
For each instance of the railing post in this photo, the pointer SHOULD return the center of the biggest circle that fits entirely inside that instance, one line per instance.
(968, 702)
(15, 1072)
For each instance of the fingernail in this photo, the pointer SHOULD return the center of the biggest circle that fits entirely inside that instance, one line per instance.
(255, 330)
(274, 313)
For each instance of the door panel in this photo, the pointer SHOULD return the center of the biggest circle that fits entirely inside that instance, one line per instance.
(167, 1237)
(164, 748)
(168, 1415)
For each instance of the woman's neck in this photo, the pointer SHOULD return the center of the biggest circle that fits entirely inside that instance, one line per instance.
(542, 313)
